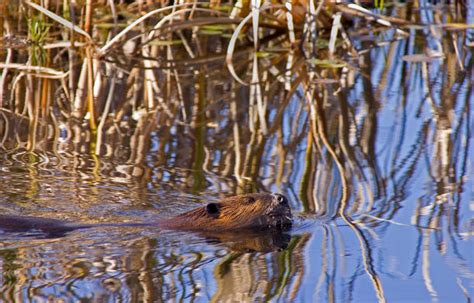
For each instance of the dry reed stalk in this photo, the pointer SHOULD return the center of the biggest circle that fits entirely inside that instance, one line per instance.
(357, 10)
(456, 50)
(289, 69)
(37, 71)
(289, 19)
(179, 93)
(255, 12)
(186, 45)
(151, 84)
(310, 32)
(90, 91)
(5, 128)
(3, 8)
(34, 115)
(55, 139)
(336, 25)
(103, 119)
(99, 85)
(88, 19)
(236, 9)
(45, 97)
(3, 77)
(256, 95)
(80, 93)
(236, 134)
(230, 49)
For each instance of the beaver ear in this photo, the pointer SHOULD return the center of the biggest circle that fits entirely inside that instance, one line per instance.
(249, 200)
(212, 208)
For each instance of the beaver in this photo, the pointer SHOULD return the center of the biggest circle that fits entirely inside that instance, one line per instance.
(256, 212)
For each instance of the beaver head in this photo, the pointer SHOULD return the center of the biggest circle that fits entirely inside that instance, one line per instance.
(259, 211)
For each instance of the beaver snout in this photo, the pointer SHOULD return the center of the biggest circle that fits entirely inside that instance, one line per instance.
(280, 199)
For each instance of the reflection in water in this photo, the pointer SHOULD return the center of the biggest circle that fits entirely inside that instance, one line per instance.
(378, 151)
(131, 265)
(251, 242)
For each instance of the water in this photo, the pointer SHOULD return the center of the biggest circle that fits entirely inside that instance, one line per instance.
(376, 160)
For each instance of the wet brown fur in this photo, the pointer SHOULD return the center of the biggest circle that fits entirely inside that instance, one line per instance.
(250, 211)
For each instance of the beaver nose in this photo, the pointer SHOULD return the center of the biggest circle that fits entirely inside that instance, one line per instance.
(281, 199)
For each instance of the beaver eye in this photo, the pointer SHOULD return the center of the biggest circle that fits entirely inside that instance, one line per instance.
(212, 208)
(250, 200)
